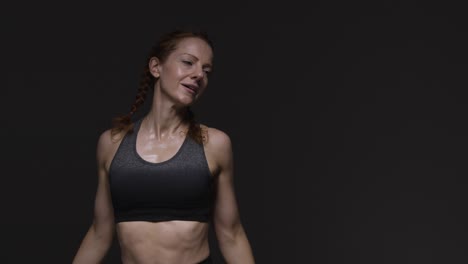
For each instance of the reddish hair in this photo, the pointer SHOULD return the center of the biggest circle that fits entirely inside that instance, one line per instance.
(166, 44)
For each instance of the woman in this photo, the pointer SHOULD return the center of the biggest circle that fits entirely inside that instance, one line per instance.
(163, 178)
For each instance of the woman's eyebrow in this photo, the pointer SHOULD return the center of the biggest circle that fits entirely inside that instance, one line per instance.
(205, 65)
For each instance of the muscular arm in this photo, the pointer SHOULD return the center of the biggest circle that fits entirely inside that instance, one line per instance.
(232, 239)
(98, 239)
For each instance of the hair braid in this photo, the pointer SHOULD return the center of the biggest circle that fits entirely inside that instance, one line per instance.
(195, 130)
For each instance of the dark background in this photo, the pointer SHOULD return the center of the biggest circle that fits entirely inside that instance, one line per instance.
(348, 123)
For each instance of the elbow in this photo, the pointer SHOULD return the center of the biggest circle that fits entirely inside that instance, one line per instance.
(229, 235)
(103, 232)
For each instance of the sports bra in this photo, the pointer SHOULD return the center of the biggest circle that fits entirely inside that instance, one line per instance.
(180, 188)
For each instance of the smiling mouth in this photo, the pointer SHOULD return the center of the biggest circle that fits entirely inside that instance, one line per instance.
(191, 89)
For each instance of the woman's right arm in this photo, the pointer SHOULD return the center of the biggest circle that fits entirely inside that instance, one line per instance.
(98, 239)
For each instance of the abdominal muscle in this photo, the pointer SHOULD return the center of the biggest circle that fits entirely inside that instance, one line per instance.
(181, 242)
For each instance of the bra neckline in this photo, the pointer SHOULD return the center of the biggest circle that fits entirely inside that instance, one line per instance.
(136, 130)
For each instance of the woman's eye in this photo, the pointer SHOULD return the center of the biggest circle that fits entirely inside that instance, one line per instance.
(187, 62)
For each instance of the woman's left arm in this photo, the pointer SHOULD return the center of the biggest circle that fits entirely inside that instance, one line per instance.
(232, 239)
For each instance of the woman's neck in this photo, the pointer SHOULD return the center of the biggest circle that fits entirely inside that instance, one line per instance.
(165, 122)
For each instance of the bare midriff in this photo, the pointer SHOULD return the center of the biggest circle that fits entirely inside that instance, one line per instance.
(181, 242)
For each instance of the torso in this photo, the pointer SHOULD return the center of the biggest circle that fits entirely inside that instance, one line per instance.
(163, 242)
(168, 241)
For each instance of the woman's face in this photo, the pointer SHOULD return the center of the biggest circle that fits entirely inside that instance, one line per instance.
(183, 77)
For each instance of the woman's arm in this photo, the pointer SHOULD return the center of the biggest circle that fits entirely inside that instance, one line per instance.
(98, 239)
(230, 233)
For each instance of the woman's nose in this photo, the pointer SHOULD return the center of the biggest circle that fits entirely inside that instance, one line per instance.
(198, 74)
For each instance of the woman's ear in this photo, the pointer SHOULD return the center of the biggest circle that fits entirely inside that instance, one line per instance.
(153, 66)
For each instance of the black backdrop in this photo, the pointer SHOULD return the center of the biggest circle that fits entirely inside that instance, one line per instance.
(347, 121)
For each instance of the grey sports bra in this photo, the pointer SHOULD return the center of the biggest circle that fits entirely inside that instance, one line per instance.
(180, 188)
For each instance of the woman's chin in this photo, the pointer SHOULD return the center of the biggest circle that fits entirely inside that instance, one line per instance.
(186, 101)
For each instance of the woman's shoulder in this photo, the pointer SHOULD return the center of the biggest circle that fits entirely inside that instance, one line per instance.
(217, 140)
(109, 138)
(107, 146)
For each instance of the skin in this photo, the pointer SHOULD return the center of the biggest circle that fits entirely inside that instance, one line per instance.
(159, 138)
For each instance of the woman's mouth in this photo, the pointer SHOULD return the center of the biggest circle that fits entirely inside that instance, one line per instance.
(190, 88)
